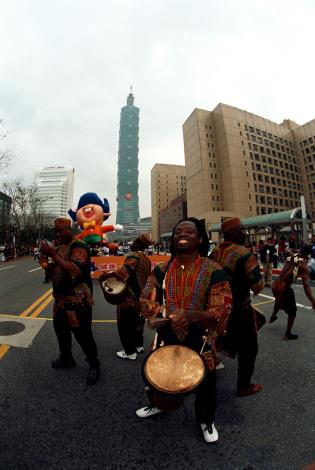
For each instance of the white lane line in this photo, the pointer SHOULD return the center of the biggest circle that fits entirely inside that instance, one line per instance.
(7, 267)
(36, 269)
(298, 305)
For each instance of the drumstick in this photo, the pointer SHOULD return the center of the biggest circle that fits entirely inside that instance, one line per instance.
(157, 322)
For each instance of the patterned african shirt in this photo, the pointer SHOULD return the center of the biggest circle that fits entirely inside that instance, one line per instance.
(201, 286)
(135, 272)
(242, 269)
(72, 289)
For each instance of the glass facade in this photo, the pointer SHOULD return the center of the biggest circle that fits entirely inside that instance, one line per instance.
(127, 178)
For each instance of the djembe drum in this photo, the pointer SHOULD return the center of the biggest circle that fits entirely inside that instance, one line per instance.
(172, 372)
(113, 288)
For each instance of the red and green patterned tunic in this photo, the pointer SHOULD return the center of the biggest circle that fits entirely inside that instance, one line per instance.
(242, 269)
(201, 286)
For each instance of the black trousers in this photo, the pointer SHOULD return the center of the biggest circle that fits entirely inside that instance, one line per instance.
(241, 340)
(246, 354)
(205, 401)
(130, 328)
(82, 333)
(205, 398)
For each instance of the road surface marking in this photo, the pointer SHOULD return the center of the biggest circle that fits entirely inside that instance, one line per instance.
(11, 315)
(36, 269)
(41, 307)
(266, 302)
(4, 348)
(298, 305)
(7, 267)
(34, 304)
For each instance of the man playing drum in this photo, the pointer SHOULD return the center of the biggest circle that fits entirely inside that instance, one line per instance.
(196, 300)
(134, 272)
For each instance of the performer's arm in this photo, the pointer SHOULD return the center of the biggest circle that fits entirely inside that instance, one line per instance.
(130, 264)
(78, 259)
(218, 310)
(307, 289)
(253, 275)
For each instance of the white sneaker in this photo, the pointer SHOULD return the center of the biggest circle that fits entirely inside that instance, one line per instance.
(220, 366)
(123, 355)
(148, 411)
(210, 433)
(140, 349)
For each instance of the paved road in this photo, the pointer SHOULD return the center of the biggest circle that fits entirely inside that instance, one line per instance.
(52, 420)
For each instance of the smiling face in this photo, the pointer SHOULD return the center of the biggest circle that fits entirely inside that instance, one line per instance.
(89, 213)
(186, 238)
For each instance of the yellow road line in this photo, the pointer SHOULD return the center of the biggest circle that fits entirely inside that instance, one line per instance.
(34, 304)
(4, 348)
(41, 307)
(50, 319)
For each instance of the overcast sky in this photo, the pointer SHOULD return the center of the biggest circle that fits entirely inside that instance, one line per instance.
(66, 67)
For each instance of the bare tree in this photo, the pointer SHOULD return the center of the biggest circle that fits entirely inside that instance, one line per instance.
(5, 154)
(27, 216)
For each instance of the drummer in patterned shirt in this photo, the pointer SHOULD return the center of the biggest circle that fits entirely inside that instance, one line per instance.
(197, 299)
(134, 272)
(243, 271)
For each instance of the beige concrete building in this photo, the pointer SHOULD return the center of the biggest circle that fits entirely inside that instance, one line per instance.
(169, 216)
(241, 164)
(167, 183)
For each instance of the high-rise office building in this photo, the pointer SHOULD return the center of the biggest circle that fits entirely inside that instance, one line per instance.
(55, 188)
(167, 183)
(241, 164)
(127, 184)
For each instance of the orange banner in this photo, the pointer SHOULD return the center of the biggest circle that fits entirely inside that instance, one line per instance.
(110, 263)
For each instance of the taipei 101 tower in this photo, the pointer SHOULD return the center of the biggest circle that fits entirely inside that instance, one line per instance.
(127, 185)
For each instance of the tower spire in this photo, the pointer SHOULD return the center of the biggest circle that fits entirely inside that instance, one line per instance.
(130, 98)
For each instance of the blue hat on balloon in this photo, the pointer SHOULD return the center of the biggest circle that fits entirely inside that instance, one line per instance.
(90, 198)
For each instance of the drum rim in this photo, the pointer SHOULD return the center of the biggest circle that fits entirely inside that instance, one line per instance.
(159, 389)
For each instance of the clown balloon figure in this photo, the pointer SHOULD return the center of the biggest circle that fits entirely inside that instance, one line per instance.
(90, 215)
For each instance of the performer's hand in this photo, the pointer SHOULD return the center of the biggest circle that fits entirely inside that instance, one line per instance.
(149, 308)
(47, 248)
(118, 227)
(180, 319)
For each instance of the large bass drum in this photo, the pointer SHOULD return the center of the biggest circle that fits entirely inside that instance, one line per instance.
(172, 372)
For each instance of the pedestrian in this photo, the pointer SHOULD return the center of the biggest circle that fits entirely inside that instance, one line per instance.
(312, 245)
(134, 272)
(276, 255)
(244, 274)
(283, 249)
(197, 300)
(72, 291)
(295, 266)
(36, 253)
(255, 249)
(267, 254)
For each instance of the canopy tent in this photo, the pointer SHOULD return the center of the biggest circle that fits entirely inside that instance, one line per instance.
(291, 216)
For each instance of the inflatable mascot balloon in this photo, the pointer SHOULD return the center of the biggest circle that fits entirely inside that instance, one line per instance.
(90, 215)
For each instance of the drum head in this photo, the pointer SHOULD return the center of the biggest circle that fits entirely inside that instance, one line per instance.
(113, 288)
(174, 369)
